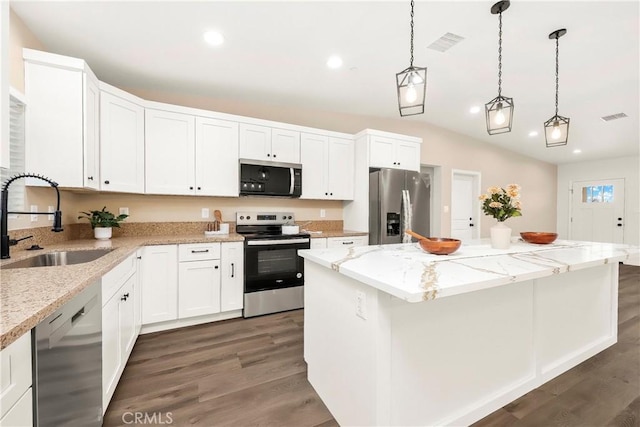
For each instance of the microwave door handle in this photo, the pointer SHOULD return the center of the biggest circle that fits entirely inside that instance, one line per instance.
(292, 180)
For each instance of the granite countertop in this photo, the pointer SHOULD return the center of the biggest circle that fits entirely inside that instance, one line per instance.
(407, 272)
(28, 295)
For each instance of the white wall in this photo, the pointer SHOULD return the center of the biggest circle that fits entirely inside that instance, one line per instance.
(627, 168)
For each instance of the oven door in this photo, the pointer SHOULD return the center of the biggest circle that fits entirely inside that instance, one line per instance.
(273, 263)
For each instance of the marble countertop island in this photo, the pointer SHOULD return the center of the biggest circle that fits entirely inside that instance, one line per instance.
(411, 274)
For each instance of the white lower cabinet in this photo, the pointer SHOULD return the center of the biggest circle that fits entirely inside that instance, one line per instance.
(347, 242)
(189, 280)
(232, 276)
(159, 283)
(119, 329)
(15, 383)
(318, 243)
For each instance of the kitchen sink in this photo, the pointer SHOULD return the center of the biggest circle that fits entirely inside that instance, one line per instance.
(59, 258)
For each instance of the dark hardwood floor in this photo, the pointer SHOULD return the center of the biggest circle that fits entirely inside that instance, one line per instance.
(250, 372)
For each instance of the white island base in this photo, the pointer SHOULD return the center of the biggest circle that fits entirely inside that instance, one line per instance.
(376, 359)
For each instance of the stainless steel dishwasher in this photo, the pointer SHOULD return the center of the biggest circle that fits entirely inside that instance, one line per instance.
(67, 365)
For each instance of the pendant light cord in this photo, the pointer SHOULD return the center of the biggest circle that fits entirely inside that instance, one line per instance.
(557, 67)
(499, 54)
(411, 62)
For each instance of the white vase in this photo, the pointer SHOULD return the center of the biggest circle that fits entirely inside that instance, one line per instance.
(102, 233)
(500, 236)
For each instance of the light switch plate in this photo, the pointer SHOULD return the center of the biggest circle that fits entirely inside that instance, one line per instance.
(205, 213)
(34, 208)
(50, 209)
(323, 213)
(123, 211)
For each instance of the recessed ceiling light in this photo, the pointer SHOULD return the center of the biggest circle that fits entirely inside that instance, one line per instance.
(214, 38)
(577, 151)
(533, 133)
(474, 110)
(334, 62)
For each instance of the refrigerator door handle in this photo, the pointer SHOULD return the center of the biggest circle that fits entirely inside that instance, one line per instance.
(405, 216)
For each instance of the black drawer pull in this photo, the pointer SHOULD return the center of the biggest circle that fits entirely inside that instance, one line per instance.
(348, 243)
(233, 269)
(204, 251)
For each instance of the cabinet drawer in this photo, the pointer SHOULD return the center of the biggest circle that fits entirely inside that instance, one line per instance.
(198, 252)
(112, 281)
(15, 372)
(21, 414)
(346, 242)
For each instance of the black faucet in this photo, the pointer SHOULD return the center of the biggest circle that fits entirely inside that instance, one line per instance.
(4, 212)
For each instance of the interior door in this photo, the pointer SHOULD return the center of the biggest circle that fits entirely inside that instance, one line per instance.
(597, 211)
(464, 206)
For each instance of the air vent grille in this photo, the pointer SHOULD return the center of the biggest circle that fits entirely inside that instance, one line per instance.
(613, 117)
(445, 42)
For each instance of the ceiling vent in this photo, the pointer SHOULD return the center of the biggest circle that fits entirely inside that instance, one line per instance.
(613, 117)
(445, 42)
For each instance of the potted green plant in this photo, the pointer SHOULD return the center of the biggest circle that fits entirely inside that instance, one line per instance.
(102, 222)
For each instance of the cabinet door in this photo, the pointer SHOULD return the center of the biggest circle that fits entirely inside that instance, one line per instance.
(382, 152)
(54, 145)
(341, 163)
(313, 155)
(91, 132)
(21, 414)
(127, 314)
(408, 156)
(121, 145)
(232, 276)
(198, 288)
(255, 142)
(169, 152)
(15, 372)
(159, 283)
(285, 146)
(216, 157)
(137, 291)
(111, 348)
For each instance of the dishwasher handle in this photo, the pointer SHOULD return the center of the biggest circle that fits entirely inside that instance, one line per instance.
(68, 323)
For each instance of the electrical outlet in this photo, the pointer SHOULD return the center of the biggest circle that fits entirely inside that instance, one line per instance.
(445, 208)
(361, 305)
(34, 208)
(50, 209)
(123, 211)
(205, 213)
(323, 213)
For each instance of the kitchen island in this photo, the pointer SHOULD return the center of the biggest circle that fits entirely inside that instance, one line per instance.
(397, 336)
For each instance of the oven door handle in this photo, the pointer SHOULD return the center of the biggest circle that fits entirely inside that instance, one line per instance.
(276, 242)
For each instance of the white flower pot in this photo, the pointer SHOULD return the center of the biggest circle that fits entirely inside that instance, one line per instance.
(500, 236)
(102, 233)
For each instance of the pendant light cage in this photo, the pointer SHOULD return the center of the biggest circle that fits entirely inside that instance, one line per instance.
(411, 84)
(556, 129)
(499, 111)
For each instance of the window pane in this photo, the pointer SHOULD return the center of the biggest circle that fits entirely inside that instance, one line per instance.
(608, 194)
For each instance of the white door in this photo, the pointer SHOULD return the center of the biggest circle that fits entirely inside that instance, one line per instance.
(464, 205)
(382, 152)
(91, 129)
(408, 156)
(597, 211)
(169, 152)
(121, 145)
(216, 157)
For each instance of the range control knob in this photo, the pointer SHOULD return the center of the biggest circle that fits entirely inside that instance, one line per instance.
(290, 217)
(284, 217)
(241, 217)
(248, 217)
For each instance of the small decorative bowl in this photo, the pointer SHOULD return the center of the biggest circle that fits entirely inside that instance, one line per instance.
(440, 245)
(539, 238)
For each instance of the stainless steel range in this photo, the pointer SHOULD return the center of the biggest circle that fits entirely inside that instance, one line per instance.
(273, 271)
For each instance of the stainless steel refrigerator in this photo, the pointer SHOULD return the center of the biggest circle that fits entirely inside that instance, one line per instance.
(398, 200)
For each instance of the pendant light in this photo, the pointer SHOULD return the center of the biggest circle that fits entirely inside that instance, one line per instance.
(499, 111)
(412, 85)
(556, 129)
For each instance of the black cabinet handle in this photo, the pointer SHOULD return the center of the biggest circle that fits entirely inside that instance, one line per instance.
(233, 270)
(199, 188)
(139, 257)
(124, 297)
(348, 243)
(268, 155)
(470, 225)
(216, 267)
(204, 251)
(619, 219)
(190, 188)
(90, 178)
(106, 182)
(274, 156)
(619, 225)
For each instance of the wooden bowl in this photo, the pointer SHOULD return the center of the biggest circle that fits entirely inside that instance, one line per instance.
(440, 245)
(539, 238)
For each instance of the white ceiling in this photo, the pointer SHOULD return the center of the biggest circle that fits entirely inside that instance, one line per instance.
(275, 53)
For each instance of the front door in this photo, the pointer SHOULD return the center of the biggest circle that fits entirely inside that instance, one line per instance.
(597, 211)
(464, 205)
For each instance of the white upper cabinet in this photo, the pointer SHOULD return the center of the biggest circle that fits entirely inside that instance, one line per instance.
(394, 153)
(266, 144)
(169, 152)
(62, 122)
(121, 142)
(327, 167)
(216, 157)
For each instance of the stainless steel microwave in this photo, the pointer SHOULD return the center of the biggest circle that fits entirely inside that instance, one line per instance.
(270, 179)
